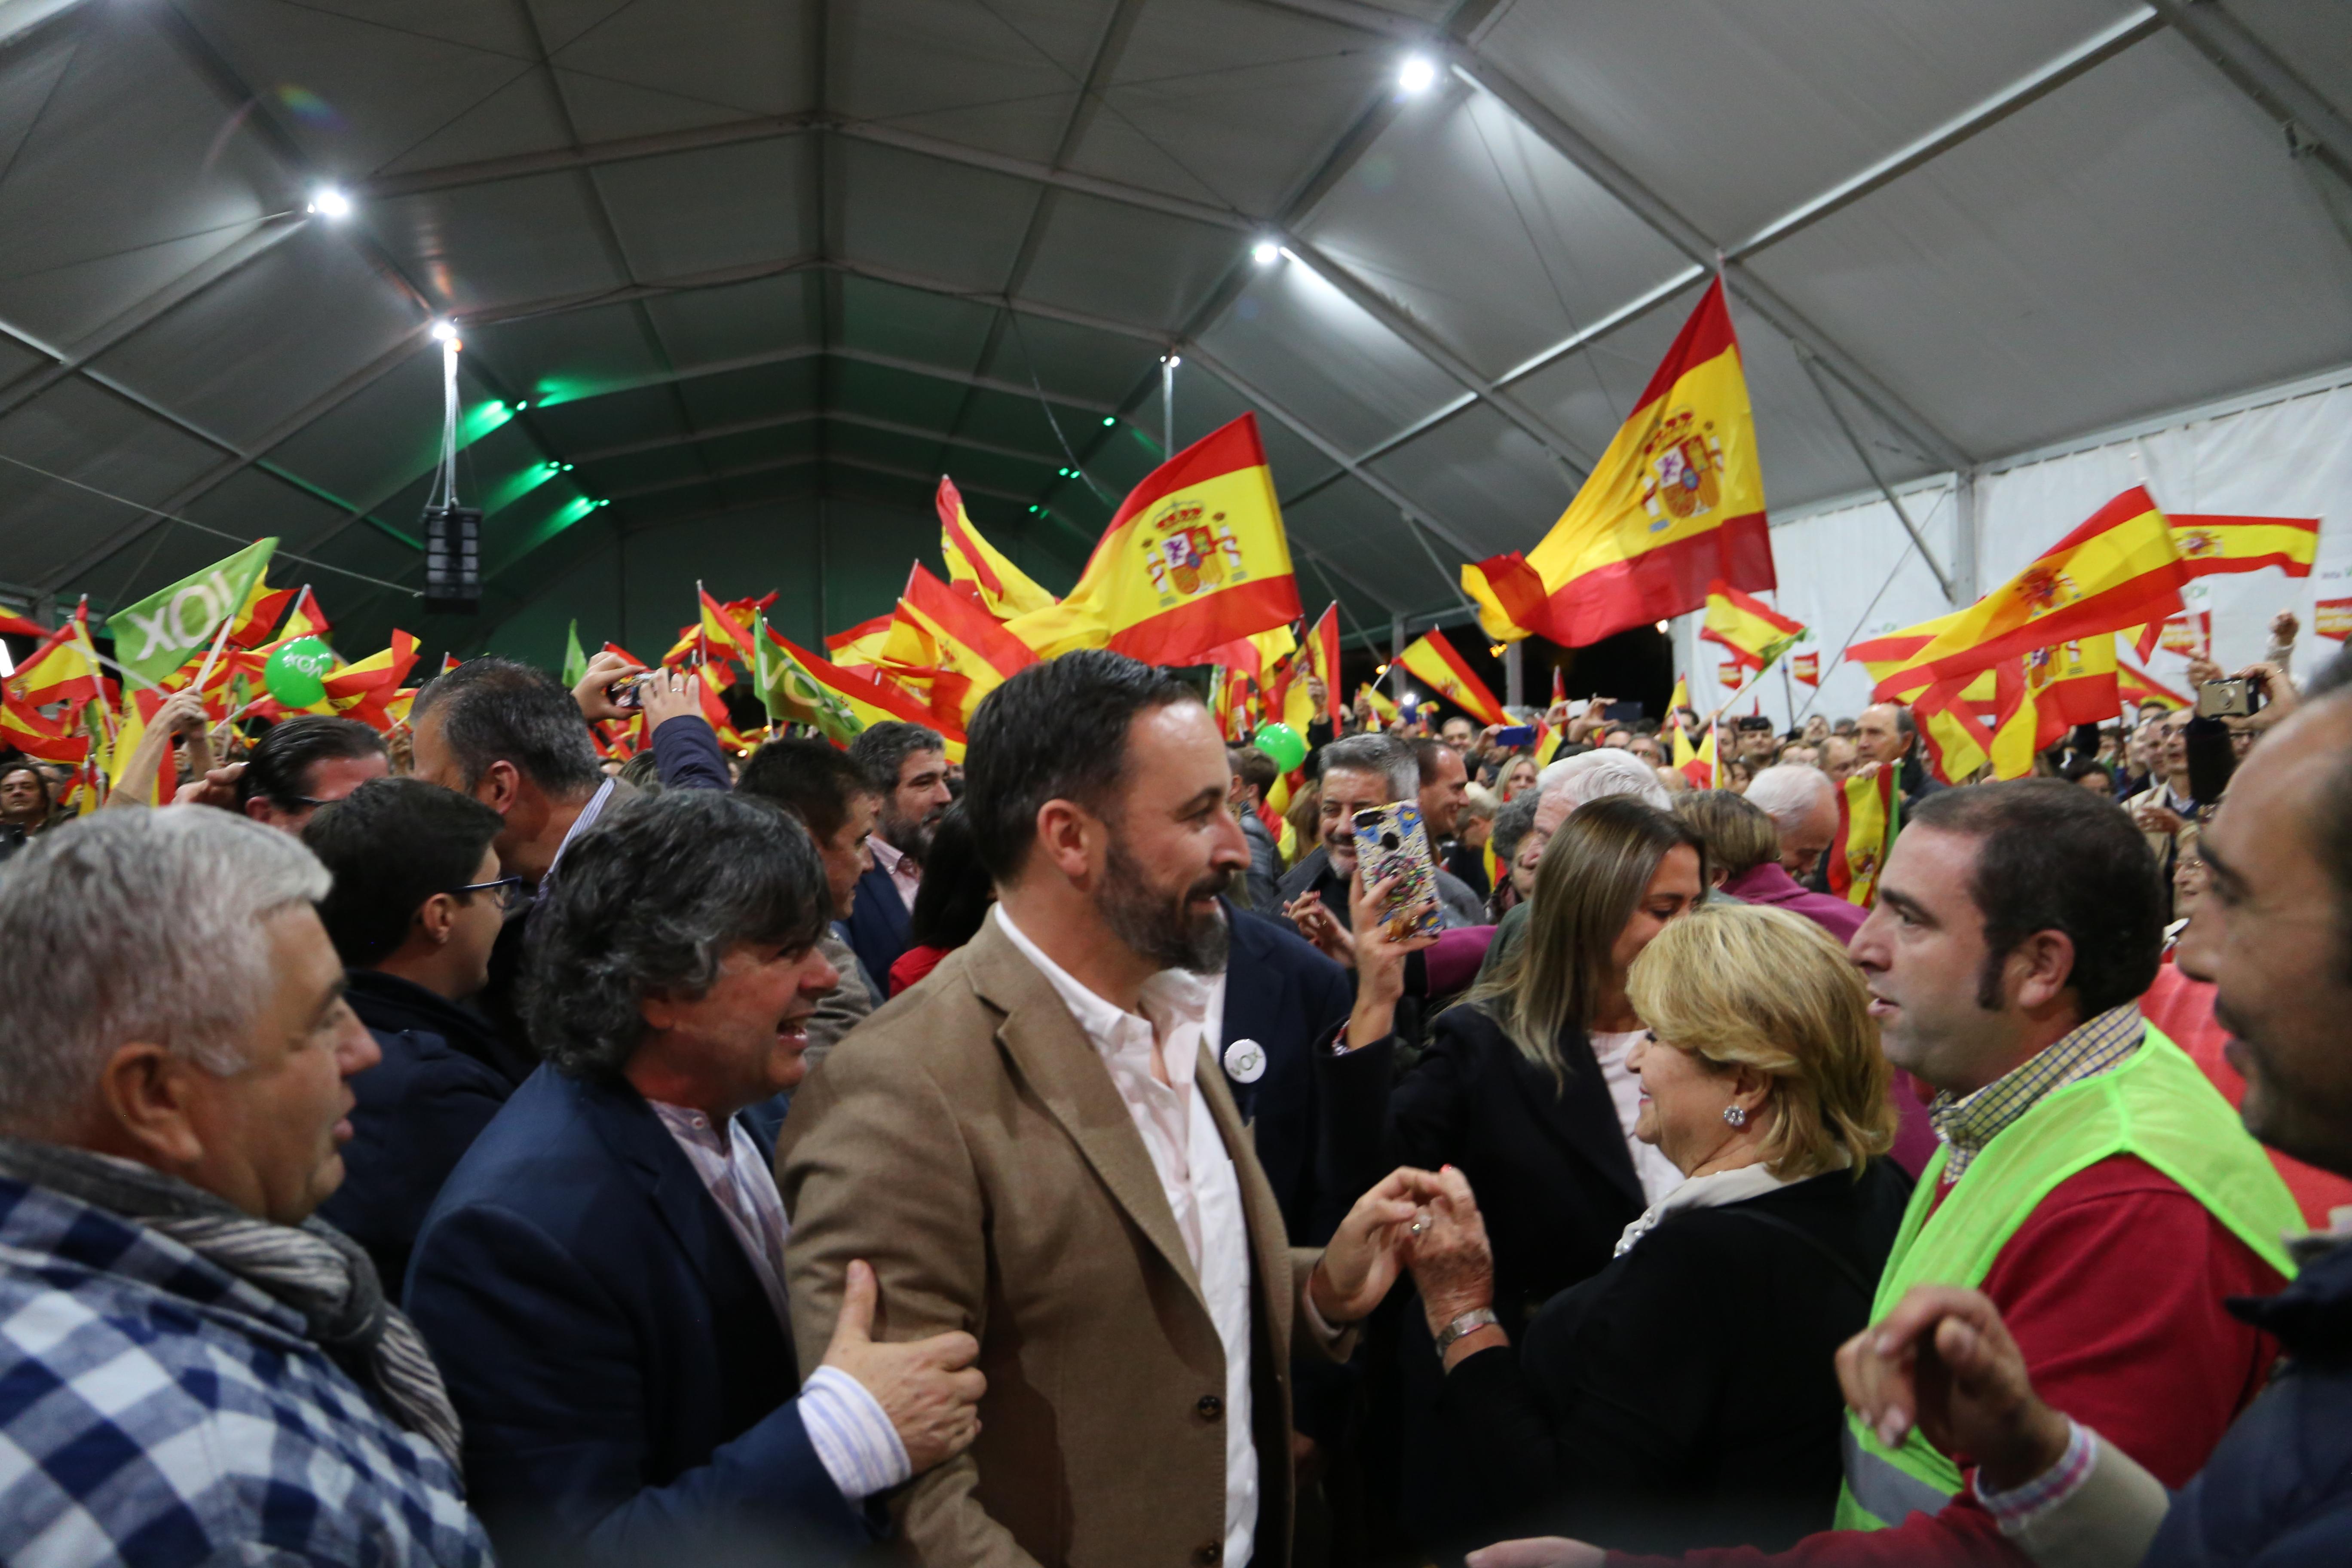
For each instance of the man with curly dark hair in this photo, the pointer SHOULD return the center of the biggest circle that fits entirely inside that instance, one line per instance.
(603, 1274)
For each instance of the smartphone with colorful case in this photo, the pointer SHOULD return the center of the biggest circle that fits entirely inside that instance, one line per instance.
(1392, 841)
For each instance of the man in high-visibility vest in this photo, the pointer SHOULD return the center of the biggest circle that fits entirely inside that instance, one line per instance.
(2092, 1184)
(2272, 937)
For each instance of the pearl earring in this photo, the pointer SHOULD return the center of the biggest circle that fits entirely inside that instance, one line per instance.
(1735, 1115)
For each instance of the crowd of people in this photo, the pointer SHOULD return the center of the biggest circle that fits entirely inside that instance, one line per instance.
(1085, 1150)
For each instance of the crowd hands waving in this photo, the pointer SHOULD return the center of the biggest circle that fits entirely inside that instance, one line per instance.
(1085, 1151)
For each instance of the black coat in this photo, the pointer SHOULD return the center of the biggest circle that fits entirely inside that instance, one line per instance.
(444, 1075)
(1290, 999)
(1548, 1161)
(1686, 1395)
(627, 1389)
(878, 923)
(2277, 1492)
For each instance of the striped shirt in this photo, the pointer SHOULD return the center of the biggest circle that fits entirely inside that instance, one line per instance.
(1968, 1122)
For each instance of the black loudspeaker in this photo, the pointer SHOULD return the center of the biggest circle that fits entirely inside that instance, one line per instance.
(453, 559)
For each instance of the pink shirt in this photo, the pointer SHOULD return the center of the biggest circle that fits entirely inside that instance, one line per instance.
(904, 875)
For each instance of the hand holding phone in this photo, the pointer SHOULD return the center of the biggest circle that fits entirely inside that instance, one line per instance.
(1391, 842)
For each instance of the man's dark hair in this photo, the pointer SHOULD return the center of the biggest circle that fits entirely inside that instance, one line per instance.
(2051, 856)
(1256, 768)
(277, 767)
(651, 899)
(495, 710)
(1056, 731)
(883, 749)
(390, 845)
(1426, 758)
(956, 891)
(811, 779)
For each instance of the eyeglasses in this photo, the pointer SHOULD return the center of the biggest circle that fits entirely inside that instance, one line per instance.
(510, 892)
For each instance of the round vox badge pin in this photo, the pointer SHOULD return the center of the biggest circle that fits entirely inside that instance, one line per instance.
(1244, 1061)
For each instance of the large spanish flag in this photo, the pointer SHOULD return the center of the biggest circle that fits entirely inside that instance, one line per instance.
(24, 729)
(2047, 692)
(1004, 590)
(2212, 542)
(1755, 632)
(861, 644)
(1439, 663)
(2119, 569)
(1194, 557)
(1676, 503)
(840, 702)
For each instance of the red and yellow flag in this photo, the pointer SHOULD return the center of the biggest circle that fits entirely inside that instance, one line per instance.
(1698, 766)
(139, 708)
(2332, 618)
(1439, 663)
(2212, 542)
(861, 644)
(1870, 813)
(723, 636)
(840, 702)
(308, 619)
(1676, 503)
(22, 729)
(1755, 632)
(2119, 569)
(60, 670)
(2049, 692)
(1194, 557)
(367, 690)
(969, 642)
(1004, 590)
(1807, 669)
(1318, 656)
(1382, 708)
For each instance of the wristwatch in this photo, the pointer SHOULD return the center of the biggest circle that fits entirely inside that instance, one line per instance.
(1468, 1323)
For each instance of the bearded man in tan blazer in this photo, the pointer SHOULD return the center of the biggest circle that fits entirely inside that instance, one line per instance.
(1032, 1146)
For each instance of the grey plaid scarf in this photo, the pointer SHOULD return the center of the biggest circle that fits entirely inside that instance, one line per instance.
(313, 1268)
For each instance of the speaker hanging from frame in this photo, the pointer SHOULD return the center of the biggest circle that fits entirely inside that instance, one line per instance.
(453, 559)
(453, 533)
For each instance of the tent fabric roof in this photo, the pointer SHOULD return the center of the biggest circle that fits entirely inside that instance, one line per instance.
(735, 256)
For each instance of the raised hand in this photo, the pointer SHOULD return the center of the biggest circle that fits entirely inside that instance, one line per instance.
(670, 695)
(1944, 1361)
(605, 669)
(1367, 1252)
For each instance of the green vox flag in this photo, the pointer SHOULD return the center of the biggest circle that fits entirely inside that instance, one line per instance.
(165, 630)
(575, 663)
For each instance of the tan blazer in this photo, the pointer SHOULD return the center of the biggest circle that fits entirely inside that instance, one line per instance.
(967, 1140)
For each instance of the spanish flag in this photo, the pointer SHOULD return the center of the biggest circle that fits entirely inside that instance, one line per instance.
(1441, 664)
(60, 670)
(1382, 708)
(1753, 630)
(861, 644)
(263, 605)
(139, 708)
(1681, 754)
(721, 635)
(2213, 543)
(1194, 557)
(1004, 590)
(1548, 744)
(1807, 669)
(969, 641)
(2048, 692)
(2332, 618)
(1676, 503)
(1318, 656)
(2119, 569)
(367, 690)
(1955, 716)
(1870, 813)
(1696, 766)
(840, 702)
(24, 729)
(308, 619)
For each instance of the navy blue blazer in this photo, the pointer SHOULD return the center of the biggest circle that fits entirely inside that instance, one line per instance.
(878, 923)
(442, 1079)
(1289, 998)
(627, 1390)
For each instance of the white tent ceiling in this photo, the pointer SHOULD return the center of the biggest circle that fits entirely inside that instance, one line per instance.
(746, 261)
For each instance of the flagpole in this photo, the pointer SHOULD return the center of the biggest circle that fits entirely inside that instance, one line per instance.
(220, 640)
(90, 649)
(1787, 693)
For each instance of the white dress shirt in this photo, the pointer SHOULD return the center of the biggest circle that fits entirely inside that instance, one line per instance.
(1196, 1174)
(846, 1425)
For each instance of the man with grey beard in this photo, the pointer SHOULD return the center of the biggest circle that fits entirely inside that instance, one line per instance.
(1037, 1146)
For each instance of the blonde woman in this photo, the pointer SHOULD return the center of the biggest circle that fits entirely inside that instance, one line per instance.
(1685, 1396)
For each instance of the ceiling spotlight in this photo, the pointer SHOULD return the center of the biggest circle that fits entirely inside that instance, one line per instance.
(330, 202)
(567, 467)
(1265, 252)
(1418, 74)
(1109, 420)
(443, 332)
(1662, 629)
(522, 405)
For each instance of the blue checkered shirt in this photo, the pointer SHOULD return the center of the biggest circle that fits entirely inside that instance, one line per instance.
(156, 1409)
(1968, 1123)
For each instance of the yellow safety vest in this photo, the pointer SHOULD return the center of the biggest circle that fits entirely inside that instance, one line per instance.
(2157, 1106)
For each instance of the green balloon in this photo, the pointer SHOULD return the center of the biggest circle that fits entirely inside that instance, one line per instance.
(1281, 742)
(296, 674)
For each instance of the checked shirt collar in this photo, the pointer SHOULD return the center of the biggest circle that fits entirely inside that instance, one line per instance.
(1968, 1122)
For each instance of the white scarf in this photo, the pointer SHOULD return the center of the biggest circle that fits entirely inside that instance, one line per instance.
(1713, 1191)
